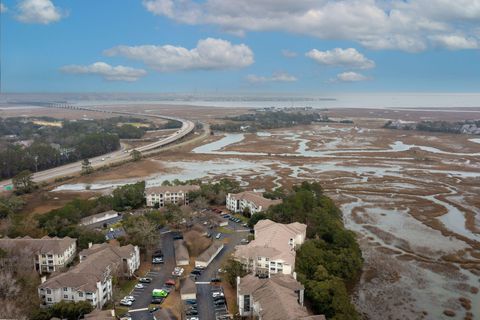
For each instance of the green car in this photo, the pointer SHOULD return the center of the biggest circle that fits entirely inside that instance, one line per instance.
(159, 293)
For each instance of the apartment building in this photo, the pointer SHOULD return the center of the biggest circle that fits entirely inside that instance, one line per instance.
(125, 260)
(161, 195)
(91, 279)
(47, 254)
(277, 298)
(273, 250)
(249, 200)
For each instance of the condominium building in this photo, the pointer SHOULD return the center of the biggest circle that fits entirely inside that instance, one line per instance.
(161, 195)
(273, 250)
(47, 254)
(126, 259)
(91, 279)
(277, 298)
(252, 201)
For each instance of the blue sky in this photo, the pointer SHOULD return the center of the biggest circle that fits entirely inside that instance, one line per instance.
(241, 45)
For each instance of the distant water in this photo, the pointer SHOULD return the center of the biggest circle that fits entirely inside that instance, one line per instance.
(332, 100)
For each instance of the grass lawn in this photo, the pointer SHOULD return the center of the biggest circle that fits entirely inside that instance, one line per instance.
(224, 230)
(241, 217)
(126, 286)
(119, 310)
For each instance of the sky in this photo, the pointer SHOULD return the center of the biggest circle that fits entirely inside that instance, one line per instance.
(240, 46)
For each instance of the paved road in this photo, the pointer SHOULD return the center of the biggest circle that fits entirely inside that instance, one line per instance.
(159, 273)
(206, 308)
(112, 157)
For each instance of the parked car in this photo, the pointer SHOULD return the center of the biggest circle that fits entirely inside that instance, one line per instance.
(157, 260)
(218, 235)
(244, 241)
(145, 280)
(127, 303)
(157, 300)
(215, 280)
(170, 282)
(178, 271)
(131, 298)
(177, 236)
(139, 286)
(196, 272)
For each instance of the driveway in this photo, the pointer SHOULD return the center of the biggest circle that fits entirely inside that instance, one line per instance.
(206, 308)
(159, 274)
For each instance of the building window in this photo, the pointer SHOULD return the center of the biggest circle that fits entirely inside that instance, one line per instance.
(65, 289)
(259, 258)
(80, 294)
(65, 296)
(49, 299)
(246, 303)
(267, 259)
(49, 291)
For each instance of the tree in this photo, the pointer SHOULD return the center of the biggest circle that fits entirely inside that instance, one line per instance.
(23, 182)
(136, 155)
(234, 269)
(86, 167)
(141, 232)
(10, 205)
(174, 214)
(199, 203)
(129, 196)
(71, 310)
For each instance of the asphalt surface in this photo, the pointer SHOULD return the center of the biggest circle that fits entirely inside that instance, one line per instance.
(206, 308)
(159, 274)
(113, 157)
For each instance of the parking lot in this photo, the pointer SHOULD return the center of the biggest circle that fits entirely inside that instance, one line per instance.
(207, 308)
(159, 274)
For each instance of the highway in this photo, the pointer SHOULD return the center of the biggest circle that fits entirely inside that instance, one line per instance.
(74, 168)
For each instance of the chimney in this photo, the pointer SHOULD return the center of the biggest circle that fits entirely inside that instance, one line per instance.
(90, 244)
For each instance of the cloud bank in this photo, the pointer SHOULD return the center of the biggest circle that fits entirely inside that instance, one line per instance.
(38, 12)
(209, 54)
(108, 72)
(413, 25)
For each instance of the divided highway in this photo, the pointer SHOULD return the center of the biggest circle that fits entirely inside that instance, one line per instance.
(112, 157)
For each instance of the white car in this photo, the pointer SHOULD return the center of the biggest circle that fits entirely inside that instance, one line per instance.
(127, 303)
(139, 286)
(178, 271)
(130, 298)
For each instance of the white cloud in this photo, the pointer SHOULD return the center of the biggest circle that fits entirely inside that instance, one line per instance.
(117, 73)
(349, 58)
(3, 8)
(376, 24)
(276, 77)
(289, 54)
(349, 76)
(456, 42)
(208, 55)
(38, 11)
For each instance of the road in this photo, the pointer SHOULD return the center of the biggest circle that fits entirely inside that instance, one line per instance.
(113, 157)
(206, 308)
(159, 274)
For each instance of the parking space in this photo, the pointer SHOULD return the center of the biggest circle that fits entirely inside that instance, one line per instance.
(159, 274)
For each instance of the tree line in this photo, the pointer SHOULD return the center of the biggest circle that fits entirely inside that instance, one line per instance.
(330, 258)
(268, 120)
